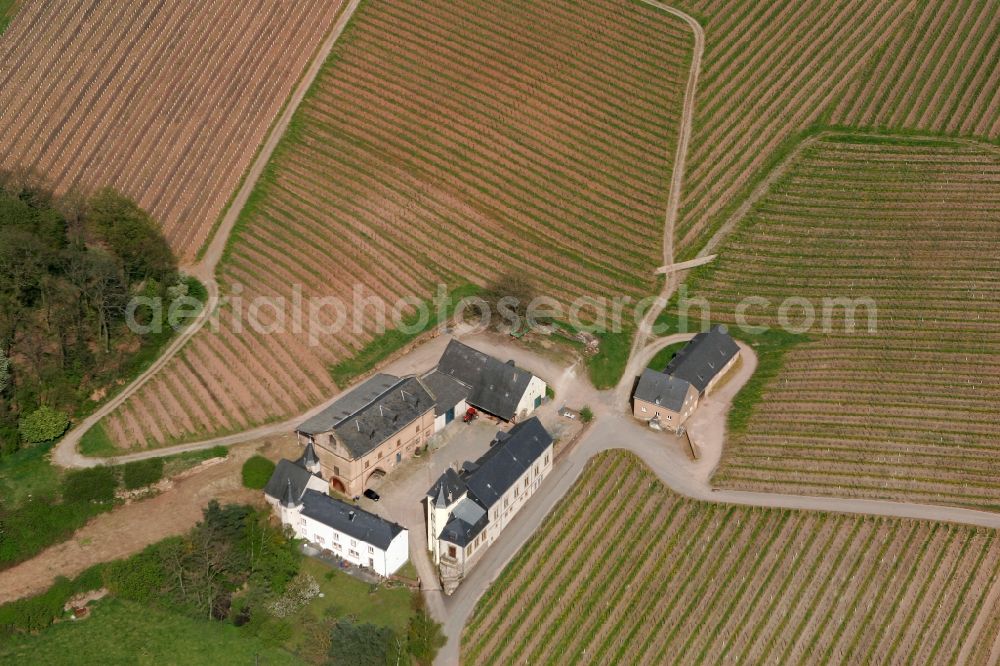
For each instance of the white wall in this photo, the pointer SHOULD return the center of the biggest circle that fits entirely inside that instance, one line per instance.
(460, 408)
(383, 562)
(535, 389)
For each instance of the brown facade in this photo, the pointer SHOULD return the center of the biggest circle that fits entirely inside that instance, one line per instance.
(351, 476)
(668, 419)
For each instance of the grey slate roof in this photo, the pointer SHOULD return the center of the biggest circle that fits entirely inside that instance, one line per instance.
(700, 360)
(507, 460)
(497, 387)
(364, 526)
(370, 417)
(462, 529)
(661, 389)
(449, 482)
(308, 457)
(511, 455)
(448, 391)
(357, 399)
(286, 472)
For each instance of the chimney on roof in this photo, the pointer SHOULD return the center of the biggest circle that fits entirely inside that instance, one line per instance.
(510, 362)
(350, 516)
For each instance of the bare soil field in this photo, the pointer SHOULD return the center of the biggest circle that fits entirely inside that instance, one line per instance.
(165, 101)
(905, 411)
(438, 146)
(773, 70)
(130, 528)
(694, 582)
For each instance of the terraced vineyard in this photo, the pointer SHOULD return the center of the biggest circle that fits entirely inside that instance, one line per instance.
(440, 146)
(165, 101)
(693, 582)
(908, 411)
(772, 70)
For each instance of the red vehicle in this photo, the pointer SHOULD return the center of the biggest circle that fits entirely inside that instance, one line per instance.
(470, 415)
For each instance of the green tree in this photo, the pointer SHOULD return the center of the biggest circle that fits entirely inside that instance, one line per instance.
(364, 645)
(256, 472)
(132, 235)
(424, 636)
(4, 371)
(586, 414)
(43, 425)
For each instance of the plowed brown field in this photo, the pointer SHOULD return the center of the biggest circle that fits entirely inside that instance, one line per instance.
(625, 571)
(909, 410)
(167, 101)
(440, 145)
(774, 69)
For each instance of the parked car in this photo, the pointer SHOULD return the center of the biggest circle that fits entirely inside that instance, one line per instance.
(372, 495)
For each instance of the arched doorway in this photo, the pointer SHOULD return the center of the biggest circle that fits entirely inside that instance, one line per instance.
(375, 478)
(336, 485)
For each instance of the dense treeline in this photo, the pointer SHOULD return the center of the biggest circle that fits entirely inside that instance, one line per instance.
(69, 266)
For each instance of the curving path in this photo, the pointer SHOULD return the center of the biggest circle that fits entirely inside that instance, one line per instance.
(65, 453)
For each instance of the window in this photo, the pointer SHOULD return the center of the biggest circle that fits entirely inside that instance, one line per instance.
(336, 471)
(536, 470)
(320, 540)
(380, 455)
(468, 550)
(398, 440)
(332, 440)
(367, 464)
(452, 552)
(353, 542)
(302, 521)
(525, 481)
(644, 409)
(353, 553)
(506, 502)
(546, 459)
(336, 536)
(336, 547)
(371, 549)
(669, 417)
(517, 492)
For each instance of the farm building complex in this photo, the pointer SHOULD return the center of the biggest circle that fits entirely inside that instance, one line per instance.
(468, 508)
(367, 433)
(666, 399)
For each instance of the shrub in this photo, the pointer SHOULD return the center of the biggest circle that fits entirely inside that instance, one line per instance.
(424, 636)
(586, 414)
(95, 484)
(363, 644)
(142, 473)
(138, 578)
(38, 612)
(38, 523)
(43, 425)
(256, 472)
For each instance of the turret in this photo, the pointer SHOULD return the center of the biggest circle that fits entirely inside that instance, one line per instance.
(310, 460)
